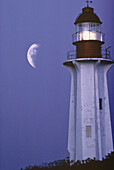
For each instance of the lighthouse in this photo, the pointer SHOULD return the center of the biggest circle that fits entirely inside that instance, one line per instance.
(89, 132)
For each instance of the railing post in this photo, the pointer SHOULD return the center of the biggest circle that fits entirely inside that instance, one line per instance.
(71, 55)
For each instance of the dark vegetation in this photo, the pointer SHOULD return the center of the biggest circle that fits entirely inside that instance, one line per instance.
(88, 164)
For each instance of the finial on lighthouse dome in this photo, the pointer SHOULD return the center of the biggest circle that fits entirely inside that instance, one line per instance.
(88, 3)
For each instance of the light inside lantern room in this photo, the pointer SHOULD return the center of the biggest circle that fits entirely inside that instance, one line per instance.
(88, 35)
(88, 31)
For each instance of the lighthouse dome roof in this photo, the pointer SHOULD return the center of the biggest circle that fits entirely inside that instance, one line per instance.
(87, 15)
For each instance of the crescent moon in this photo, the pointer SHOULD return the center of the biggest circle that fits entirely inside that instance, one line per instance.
(30, 53)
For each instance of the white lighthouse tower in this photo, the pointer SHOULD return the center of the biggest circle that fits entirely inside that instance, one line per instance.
(89, 133)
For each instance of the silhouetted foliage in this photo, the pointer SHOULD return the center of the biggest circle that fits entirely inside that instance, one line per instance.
(88, 164)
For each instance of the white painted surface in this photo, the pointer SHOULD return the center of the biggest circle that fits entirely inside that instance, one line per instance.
(88, 84)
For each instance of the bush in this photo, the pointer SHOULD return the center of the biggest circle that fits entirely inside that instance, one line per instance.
(107, 163)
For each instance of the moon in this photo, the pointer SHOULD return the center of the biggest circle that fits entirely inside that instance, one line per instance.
(32, 55)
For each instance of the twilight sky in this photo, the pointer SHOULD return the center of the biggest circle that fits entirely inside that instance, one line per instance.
(34, 103)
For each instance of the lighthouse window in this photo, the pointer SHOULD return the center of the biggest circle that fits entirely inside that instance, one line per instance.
(98, 27)
(88, 31)
(100, 103)
(92, 27)
(88, 131)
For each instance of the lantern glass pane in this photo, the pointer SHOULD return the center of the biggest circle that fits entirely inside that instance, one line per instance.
(88, 31)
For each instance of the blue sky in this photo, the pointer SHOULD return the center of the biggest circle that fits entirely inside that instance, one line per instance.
(34, 103)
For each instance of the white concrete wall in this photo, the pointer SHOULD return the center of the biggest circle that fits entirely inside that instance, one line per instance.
(72, 116)
(106, 132)
(88, 84)
(87, 108)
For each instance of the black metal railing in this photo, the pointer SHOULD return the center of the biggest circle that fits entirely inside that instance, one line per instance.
(79, 36)
(71, 55)
(105, 53)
